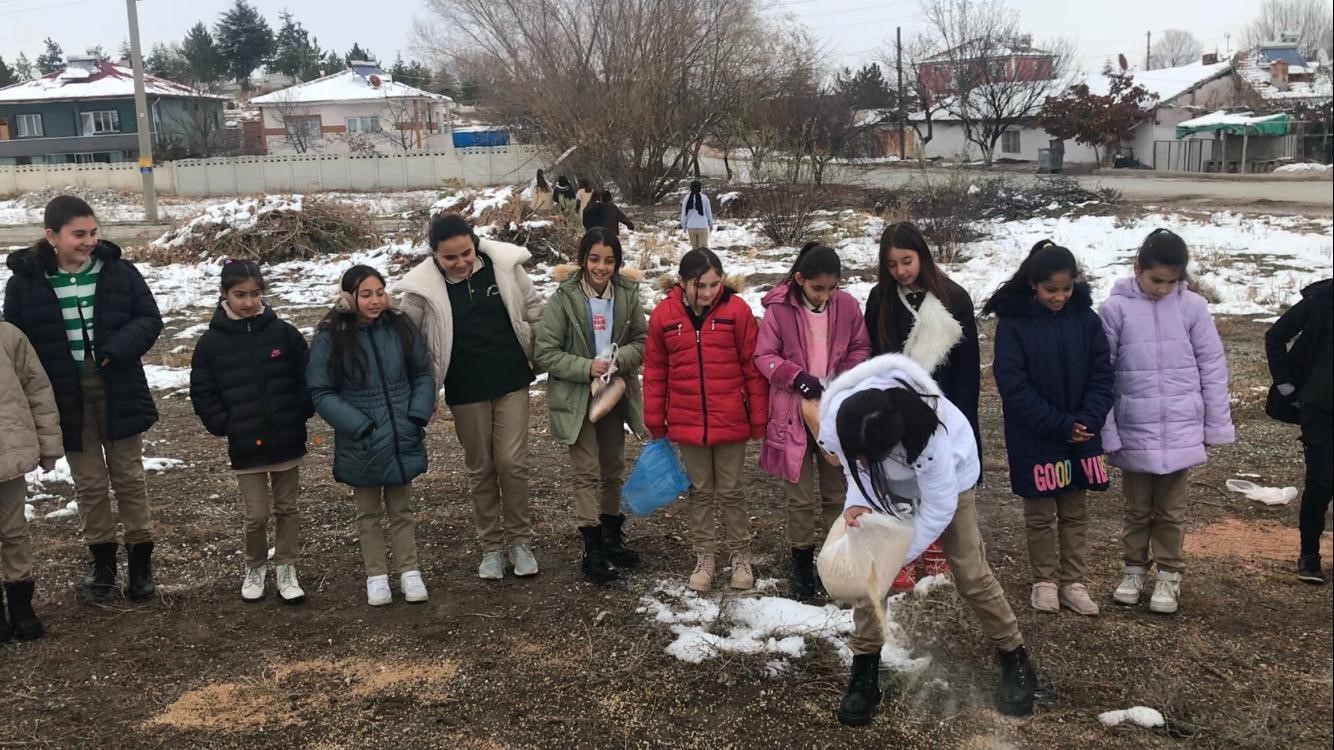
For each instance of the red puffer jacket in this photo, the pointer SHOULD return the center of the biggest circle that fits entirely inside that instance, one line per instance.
(701, 386)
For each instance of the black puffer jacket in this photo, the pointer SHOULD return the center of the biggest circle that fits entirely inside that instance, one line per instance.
(126, 323)
(248, 384)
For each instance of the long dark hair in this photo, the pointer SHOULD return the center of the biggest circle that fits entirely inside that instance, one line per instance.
(871, 424)
(1163, 247)
(1045, 260)
(447, 227)
(236, 271)
(698, 262)
(903, 235)
(813, 260)
(695, 200)
(347, 365)
(600, 236)
(63, 209)
(542, 182)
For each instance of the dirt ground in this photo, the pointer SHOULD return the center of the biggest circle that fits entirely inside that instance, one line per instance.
(553, 662)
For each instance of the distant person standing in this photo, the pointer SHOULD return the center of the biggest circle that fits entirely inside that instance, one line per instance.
(595, 214)
(584, 195)
(613, 216)
(697, 216)
(563, 192)
(541, 200)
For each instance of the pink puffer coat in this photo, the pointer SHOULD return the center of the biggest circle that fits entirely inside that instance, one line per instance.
(1171, 392)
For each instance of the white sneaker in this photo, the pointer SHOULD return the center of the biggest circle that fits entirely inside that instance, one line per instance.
(1165, 592)
(252, 589)
(493, 565)
(521, 557)
(410, 583)
(1131, 586)
(377, 591)
(288, 588)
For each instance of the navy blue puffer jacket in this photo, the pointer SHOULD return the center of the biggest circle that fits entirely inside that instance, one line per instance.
(1052, 369)
(379, 422)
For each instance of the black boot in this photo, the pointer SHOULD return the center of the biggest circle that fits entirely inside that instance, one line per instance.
(1309, 570)
(613, 541)
(5, 632)
(596, 566)
(21, 617)
(803, 573)
(1018, 682)
(140, 587)
(101, 583)
(863, 696)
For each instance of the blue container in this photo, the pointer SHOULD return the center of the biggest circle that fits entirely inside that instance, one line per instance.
(480, 138)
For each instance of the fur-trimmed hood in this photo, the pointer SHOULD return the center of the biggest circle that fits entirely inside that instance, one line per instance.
(733, 281)
(41, 257)
(1022, 303)
(565, 271)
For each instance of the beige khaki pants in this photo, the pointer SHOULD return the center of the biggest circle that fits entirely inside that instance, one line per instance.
(715, 473)
(963, 547)
(1047, 520)
(598, 458)
(397, 503)
(1155, 514)
(107, 466)
(15, 546)
(698, 238)
(494, 436)
(255, 496)
(811, 513)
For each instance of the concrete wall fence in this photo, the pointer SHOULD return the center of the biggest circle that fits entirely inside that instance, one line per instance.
(243, 175)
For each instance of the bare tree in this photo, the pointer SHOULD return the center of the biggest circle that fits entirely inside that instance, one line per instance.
(1173, 48)
(636, 85)
(1311, 20)
(302, 128)
(995, 79)
(917, 94)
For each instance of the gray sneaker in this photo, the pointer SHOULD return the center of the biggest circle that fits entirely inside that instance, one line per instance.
(521, 557)
(493, 565)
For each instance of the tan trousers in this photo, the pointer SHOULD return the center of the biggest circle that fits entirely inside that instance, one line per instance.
(1155, 513)
(494, 435)
(598, 458)
(15, 546)
(715, 472)
(1047, 519)
(963, 547)
(698, 238)
(255, 495)
(107, 466)
(397, 501)
(810, 514)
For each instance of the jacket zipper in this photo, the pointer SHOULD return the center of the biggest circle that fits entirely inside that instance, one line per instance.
(389, 404)
(703, 398)
(1158, 356)
(263, 383)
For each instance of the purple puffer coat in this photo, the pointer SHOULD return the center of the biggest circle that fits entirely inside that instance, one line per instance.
(1171, 393)
(780, 356)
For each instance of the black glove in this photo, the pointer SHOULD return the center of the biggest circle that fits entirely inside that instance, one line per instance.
(808, 385)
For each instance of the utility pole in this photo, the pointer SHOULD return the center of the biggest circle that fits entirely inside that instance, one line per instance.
(141, 116)
(898, 44)
(1147, 36)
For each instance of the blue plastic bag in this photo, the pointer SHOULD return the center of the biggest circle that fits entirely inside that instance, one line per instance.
(657, 479)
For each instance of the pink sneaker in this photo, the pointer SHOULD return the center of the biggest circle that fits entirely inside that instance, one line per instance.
(1043, 598)
(1075, 598)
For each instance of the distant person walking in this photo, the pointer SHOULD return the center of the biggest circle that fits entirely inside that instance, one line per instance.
(613, 216)
(697, 216)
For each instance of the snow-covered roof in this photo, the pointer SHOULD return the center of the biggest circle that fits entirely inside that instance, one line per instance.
(1223, 118)
(92, 79)
(1165, 83)
(346, 86)
(1254, 69)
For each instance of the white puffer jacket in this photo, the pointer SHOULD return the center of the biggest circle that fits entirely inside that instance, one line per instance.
(947, 467)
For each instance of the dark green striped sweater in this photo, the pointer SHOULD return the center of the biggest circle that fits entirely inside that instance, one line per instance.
(76, 292)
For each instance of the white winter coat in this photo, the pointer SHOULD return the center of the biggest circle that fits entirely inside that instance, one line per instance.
(424, 298)
(947, 468)
(692, 219)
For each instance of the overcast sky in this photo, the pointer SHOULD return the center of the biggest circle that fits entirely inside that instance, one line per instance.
(853, 29)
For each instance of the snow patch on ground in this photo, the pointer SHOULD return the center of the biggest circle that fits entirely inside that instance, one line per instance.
(163, 378)
(1303, 168)
(38, 480)
(1140, 715)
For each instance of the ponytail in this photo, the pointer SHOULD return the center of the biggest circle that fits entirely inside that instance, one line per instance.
(1045, 260)
(813, 260)
(871, 424)
(695, 200)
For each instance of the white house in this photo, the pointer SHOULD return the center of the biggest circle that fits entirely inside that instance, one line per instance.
(1183, 92)
(358, 110)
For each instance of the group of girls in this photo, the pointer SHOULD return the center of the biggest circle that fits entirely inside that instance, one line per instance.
(873, 412)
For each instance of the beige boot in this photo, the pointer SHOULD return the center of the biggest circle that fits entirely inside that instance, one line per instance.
(743, 578)
(702, 578)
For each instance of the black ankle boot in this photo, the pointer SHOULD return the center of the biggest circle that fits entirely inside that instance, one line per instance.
(863, 696)
(596, 566)
(1310, 571)
(140, 587)
(101, 582)
(613, 540)
(21, 617)
(803, 573)
(5, 632)
(1018, 683)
